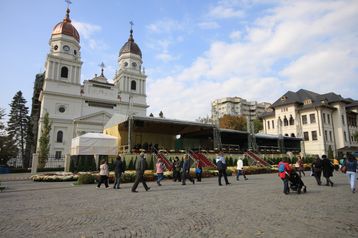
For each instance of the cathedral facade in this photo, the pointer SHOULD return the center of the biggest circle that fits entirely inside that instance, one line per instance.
(75, 108)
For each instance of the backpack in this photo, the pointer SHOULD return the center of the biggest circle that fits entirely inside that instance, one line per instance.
(281, 168)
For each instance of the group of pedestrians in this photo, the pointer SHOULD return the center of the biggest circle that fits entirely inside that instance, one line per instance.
(320, 166)
(181, 171)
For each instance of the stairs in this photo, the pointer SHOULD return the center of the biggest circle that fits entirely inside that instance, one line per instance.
(257, 158)
(164, 159)
(205, 162)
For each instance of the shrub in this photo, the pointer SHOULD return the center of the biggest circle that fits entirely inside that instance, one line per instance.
(85, 179)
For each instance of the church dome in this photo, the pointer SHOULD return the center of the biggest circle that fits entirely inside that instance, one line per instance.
(130, 47)
(65, 27)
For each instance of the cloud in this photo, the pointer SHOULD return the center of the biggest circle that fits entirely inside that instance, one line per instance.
(165, 26)
(292, 45)
(208, 25)
(222, 11)
(87, 32)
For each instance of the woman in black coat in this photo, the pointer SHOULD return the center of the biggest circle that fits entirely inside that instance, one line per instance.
(327, 168)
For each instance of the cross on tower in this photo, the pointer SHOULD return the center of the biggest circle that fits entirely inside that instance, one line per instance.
(102, 68)
(68, 3)
(131, 23)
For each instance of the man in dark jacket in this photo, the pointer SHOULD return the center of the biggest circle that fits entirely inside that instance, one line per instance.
(140, 167)
(118, 170)
(327, 168)
(221, 165)
(186, 170)
(317, 169)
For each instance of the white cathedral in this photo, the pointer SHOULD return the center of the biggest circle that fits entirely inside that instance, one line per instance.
(75, 108)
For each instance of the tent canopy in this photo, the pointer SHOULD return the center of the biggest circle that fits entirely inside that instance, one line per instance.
(94, 144)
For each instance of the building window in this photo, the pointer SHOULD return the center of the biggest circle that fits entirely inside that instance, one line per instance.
(268, 125)
(133, 85)
(279, 122)
(293, 135)
(64, 72)
(59, 137)
(345, 136)
(292, 121)
(304, 119)
(314, 135)
(305, 136)
(325, 135)
(312, 118)
(58, 155)
(285, 121)
(330, 135)
(328, 119)
(324, 118)
(273, 124)
(343, 120)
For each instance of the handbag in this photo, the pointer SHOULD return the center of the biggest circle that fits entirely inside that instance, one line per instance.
(344, 169)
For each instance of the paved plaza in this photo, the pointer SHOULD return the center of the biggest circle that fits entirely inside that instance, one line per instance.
(253, 208)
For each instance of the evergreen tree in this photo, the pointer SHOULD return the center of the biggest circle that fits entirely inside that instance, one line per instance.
(8, 148)
(330, 153)
(44, 143)
(18, 122)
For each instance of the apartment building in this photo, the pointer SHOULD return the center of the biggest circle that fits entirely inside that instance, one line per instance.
(236, 106)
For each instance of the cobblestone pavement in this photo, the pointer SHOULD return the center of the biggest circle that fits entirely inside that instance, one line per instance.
(253, 208)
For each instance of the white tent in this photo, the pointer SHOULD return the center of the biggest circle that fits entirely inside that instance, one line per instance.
(94, 144)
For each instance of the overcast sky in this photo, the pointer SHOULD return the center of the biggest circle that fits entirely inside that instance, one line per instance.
(194, 51)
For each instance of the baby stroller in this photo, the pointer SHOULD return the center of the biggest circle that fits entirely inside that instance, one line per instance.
(296, 183)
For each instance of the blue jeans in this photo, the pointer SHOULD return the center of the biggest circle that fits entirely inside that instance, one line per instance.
(160, 177)
(117, 180)
(352, 179)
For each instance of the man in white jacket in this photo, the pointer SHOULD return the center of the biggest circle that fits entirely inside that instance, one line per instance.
(240, 169)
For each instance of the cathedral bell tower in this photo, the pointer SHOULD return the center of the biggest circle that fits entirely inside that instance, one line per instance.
(130, 79)
(64, 60)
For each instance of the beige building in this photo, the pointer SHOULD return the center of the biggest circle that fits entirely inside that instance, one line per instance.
(322, 120)
(236, 106)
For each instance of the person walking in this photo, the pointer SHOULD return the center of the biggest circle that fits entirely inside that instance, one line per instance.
(351, 166)
(176, 169)
(118, 170)
(300, 168)
(140, 167)
(186, 171)
(221, 165)
(327, 168)
(103, 173)
(160, 171)
(284, 171)
(240, 169)
(317, 169)
(198, 171)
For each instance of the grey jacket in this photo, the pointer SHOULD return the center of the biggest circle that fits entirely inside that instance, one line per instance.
(141, 165)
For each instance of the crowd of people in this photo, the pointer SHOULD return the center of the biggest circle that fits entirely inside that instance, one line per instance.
(181, 171)
(320, 166)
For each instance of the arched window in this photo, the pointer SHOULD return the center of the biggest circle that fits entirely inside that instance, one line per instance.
(292, 121)
(133, 85)
(293, 135)
(64, 72)
(285, 121)
(279, 122)
(59, 137)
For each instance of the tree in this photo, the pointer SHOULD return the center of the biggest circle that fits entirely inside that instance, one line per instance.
(233, 122)
(151, 115)
(206, 119)
(258, 125)
(330, 153)
(8, 148)
(44, 143)
(355, 135)
(161, 115)
(18, 122)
